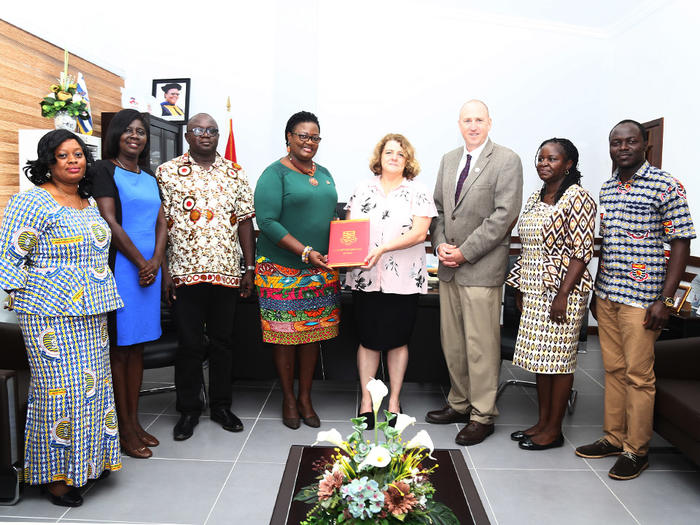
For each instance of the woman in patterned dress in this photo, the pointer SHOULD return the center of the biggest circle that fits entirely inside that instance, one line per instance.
(386, 288)
(556, 229)
(295, 200)
(128, 199)
(53, 263)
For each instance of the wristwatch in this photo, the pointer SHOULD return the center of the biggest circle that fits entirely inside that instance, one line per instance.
(668, 301)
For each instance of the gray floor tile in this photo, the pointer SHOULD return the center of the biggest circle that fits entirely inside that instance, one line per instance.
(587, 384)
(500, 452)
(152, 491)
(34, 505)
(516, 410)
(418, 404)
(209, 441)
(661, 497)
(551, 497)
(249, 402)
(16, 519)
(338, 405)
(587, 411)
(270, 440)
(246, 485)
(591, 359)
(156, 403)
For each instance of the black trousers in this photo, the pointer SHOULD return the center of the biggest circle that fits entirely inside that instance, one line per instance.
(198, 306)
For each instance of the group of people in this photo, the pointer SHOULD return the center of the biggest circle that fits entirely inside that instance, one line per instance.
(84, 256)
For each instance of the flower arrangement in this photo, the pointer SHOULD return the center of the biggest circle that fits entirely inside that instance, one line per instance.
(380, 482)
(63, 96)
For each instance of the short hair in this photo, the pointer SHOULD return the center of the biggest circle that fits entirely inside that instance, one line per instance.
(411, 169)
(642, 130)
(117, 126)
(39, 171)
(570, 153)
(298, 118)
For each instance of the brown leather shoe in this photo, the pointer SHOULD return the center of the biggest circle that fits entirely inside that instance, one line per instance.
(446, 415)
(474, 433)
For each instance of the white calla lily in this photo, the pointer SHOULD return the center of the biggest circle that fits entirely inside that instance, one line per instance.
(377, 457)
(422, 440)
(77, 99)
(402, 421)
(332, 436)
(378, 391)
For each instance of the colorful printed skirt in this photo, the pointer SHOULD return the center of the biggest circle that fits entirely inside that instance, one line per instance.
(546, 347)
(71, 433)
(297, 306)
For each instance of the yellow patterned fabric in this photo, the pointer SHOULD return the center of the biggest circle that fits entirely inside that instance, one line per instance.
(71, 432)
(566, 231)
(53, 259)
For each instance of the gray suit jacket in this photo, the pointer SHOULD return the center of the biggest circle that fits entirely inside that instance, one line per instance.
(479, 223)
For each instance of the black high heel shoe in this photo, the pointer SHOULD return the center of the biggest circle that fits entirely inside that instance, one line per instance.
(72, 498)
(392, 423)
(528, 444)
(369, 419)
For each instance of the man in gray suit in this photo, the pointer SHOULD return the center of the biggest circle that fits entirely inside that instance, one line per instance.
(478, 195)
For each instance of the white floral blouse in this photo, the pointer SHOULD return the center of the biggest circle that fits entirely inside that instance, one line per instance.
(400, 271)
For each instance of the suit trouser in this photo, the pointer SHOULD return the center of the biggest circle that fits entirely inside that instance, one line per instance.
(630, 384)
(471, 340)
(197, 306)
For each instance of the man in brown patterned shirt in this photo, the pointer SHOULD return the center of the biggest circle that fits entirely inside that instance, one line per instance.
(209, 210)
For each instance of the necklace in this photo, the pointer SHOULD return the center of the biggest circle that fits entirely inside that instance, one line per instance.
(137, 170)
(310, 172)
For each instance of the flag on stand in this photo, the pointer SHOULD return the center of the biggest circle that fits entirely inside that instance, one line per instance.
(231, 144)
(84, 125)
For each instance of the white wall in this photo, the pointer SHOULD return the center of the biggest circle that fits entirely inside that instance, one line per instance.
(371, 67)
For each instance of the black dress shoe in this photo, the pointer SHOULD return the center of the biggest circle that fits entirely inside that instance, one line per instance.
(369, 419)
(528, 444)
(72, 498)
(446, 415)
(519, 435)
(392, 423)
(226, 419)
(184, 428)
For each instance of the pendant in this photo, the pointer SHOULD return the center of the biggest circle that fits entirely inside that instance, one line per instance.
(313, 181)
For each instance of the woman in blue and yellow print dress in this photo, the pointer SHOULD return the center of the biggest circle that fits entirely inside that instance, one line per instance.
(53, 263)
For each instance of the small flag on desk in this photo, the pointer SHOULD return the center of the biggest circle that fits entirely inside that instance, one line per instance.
(231, 144)
(84, 124)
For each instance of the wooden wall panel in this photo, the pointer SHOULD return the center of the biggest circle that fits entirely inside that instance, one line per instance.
(28, 67)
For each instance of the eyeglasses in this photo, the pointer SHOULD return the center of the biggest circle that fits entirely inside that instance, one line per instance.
(304, 137)
(198, 132)
(138, 131)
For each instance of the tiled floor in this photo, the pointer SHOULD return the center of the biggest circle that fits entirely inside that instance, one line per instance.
(220, 478)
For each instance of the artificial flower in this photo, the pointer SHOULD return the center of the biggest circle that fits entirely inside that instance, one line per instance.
(378, 391)
(64, 95)
(422, 440)
(332, 436)
(77, 98)
(402, 421)
(398, 498)
(377, 457)
(328, 485)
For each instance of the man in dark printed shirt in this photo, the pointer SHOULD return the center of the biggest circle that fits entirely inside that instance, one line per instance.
(642, 207)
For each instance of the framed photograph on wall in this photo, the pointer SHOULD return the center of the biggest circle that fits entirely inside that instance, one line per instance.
(173, 96)
(680, 296)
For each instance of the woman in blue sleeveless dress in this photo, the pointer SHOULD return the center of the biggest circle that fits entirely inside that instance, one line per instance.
(129, 201)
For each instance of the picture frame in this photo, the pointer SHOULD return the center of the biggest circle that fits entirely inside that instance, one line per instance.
(173, 96)
(680, 296)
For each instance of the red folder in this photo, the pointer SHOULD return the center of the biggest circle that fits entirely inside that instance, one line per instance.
(349, 243)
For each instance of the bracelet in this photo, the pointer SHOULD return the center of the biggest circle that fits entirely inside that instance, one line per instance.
(250, 268)
(305, 254)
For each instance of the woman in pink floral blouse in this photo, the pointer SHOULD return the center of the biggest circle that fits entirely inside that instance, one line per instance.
(386, 288)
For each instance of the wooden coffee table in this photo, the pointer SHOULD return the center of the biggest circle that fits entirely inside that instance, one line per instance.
(453, 485)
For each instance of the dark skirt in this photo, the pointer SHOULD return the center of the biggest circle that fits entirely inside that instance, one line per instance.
(384, 320)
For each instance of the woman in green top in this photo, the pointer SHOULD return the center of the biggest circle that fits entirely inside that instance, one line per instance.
(295, 201)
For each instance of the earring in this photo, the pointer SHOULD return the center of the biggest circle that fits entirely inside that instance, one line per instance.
(288, 149)
(566, 172)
